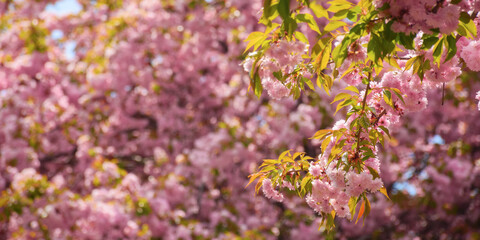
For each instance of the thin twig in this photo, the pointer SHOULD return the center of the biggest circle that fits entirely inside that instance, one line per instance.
(379, 116)
(443, 93)
(364, 103)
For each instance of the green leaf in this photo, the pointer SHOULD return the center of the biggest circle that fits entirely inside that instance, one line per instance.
(425, 67)
(308, 82)
(429, 41)
(321, 134)
(364, 122)
(328, 82)
(387, 33)
(341, 96)
(305, 181)
(321, 61)
(407, 40)
(270, 161)
(284, 9)
(398, 93)
(341, 105)
(290, 26)
(451, 45)
(319, 46)
(296, 92)
(325, 143)
(300, 36)
(318, 10)
(259, 184)
(342, 14)
(462, 30)
(353, 13)
(373, 172)
(387, 97)
(295, 155)
(267, 11)
(383, 190)
(469, 24)
(340, 52)
(338, 5)
(278, 75)
(372, 136)
(350, 69)
(392, 62)
(385, 130)
(380, 137)
(410, 63)
(373, 48)
(252, 178)
(258, 85)
(352, 205)
(267, 168)
(437, 51)
(353, 89)
(332, 25)
(284, 153)
(308, 18)
(367, 209)
(358, 30)
(254, 38)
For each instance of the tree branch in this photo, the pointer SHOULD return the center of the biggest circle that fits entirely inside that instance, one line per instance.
(364, 103)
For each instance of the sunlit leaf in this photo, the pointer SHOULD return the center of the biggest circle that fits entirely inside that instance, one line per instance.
(360, 212)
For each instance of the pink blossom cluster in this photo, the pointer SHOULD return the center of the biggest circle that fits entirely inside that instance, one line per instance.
(446, 72)
(410, 86)
(356, 54)
(412, 89)
(143, 132)
(421, 166)
(413, 16)
(270, 192)
(284, 57)
(470, 54)
(332, 187)
(467, 49)
(148, 132)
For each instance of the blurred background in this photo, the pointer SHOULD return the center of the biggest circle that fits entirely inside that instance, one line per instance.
(132, 120)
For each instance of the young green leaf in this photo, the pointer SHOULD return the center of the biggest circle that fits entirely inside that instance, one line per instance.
(284, 9)
(352, 88)
(383, 190)
(308, 18)
(332, 25)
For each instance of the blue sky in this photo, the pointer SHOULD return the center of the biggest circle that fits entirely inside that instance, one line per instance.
(64, 7)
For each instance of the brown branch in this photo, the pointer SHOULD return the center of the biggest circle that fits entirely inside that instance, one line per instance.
(401, 58)
(364, 103)
(443, 93)
(379, 116)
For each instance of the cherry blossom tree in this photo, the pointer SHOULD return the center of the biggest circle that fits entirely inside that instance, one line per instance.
(396, 52)
(139, 119)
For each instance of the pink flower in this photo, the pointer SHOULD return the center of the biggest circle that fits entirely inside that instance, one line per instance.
(270, 192)
(471, 55)
(315, 170)
(358, 183)
(337, 176)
